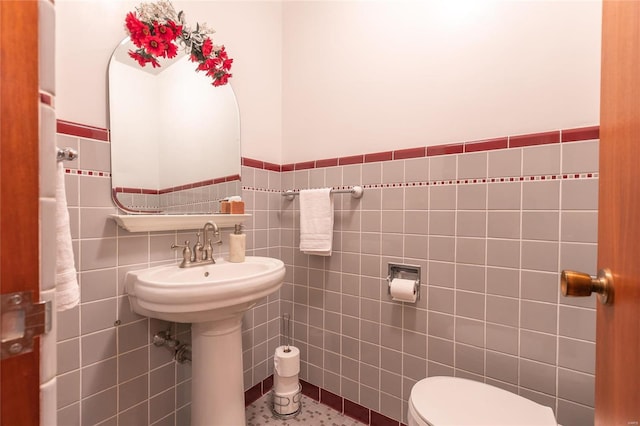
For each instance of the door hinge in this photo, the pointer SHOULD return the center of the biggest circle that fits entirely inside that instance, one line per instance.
(22, 320)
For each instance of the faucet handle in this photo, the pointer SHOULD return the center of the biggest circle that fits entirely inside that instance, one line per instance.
(182, 246)
(186, 253)
(197, 249)
(207, 251)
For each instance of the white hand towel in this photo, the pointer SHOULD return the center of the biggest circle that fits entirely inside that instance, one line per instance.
(316, 221)
(67, 290)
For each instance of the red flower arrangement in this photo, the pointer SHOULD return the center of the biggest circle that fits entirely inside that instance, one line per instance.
(156, 28)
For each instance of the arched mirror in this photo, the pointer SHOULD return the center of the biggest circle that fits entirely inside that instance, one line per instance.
(175, 138)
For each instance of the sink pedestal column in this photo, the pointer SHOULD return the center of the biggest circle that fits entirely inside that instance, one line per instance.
(217, 388)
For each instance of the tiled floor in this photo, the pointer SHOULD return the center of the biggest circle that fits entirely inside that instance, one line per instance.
(313, 414)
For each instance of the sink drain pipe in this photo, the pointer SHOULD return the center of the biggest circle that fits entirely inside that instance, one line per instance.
(181, 351)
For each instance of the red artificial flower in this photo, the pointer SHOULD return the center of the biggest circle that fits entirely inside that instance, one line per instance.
(176, 29)
(138, 57)
(215, 72)
(209, 64)
(138, 30)
(221, 80)
(207, 47)
(154, 46)
(165, 32)
(157, 40)
(133, 24)
(143, 58)
(226, 62)
(171, 50)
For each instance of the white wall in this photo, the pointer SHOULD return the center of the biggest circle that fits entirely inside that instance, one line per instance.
(321, 79)
(361, 76)
(87, 31)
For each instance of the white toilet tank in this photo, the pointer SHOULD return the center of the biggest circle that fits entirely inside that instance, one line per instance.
(452, 401)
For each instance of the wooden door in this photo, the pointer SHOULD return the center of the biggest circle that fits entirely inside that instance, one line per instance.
(19, 192)
(618, 324)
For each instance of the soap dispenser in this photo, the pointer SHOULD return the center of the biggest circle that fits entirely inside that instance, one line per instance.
(237, 245)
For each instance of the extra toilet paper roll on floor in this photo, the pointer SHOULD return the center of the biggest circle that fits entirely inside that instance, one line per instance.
(402, 290)
(285, 385)
(286, 364)
(287, 403)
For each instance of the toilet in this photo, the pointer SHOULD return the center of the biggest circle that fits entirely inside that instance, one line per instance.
(452, 401)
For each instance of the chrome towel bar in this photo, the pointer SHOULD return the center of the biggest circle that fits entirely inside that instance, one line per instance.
(355, 191)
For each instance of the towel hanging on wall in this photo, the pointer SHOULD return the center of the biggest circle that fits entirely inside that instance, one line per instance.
(316, 221)
(67, 290)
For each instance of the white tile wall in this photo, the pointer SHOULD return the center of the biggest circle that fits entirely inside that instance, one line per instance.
(46, 46)
(482, 316)
(48, 362)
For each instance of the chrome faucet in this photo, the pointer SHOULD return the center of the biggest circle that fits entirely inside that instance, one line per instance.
(201, 254)
(208, 249)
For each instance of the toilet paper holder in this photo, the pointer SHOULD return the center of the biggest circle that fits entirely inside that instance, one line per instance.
(282, 402)
(408, 272)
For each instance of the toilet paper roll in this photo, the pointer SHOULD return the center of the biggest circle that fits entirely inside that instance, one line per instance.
(287, 403)
(285, 385)
(402, 290)
(286, 364)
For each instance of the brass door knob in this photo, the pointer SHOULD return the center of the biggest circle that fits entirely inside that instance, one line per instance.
(579, 284)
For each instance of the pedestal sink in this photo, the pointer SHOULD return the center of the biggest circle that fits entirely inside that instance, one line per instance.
(213, 298)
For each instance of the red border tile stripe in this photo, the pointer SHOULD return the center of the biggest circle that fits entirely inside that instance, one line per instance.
(81, 130)
(327, 162)
(403, 154)
(581, 134)
(486, 145)
(378, 156)
(378, 419)
(252, 394)
(272, 166)
(46, 99)
(312, 391)
(257, 164)
(305, 165)
(250, 162)
(543, 138)
(331, 399)
(356, 411)
(454, 148)
(534, 139)
(353, 159)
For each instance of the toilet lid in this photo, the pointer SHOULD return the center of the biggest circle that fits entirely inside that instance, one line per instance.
(452, 401)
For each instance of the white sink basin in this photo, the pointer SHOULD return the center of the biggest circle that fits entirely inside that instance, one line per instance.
(213, 298)
(203, 293)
